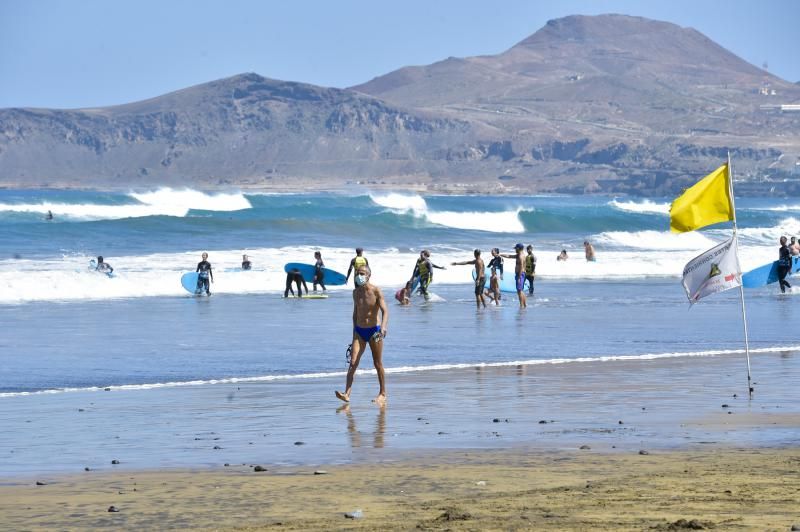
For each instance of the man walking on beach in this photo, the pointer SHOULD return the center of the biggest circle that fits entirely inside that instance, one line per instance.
(519, 274)
(368, 302)
(480, 276)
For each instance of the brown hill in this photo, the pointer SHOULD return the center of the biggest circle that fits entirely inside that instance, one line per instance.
(605, 103)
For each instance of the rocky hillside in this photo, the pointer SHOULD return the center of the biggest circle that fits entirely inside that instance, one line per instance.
(607, 103)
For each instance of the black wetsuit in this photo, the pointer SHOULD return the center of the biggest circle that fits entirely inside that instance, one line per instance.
(204, 271)
(296, 278)
(319, 275)
(246, 265)
(496, 263)
(784, 266)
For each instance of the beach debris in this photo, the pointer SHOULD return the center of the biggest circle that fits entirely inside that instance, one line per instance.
(454, 514)
(643, 452)
(480, 483)
(40, 483)
(106, 389)
(725, 406)
(216, 447)
(259, 469)
(320, 472)
(584, 447)
(683, 524)
(113, 509)
(299, 443)
(355, 514)
(620, 422)
(114, 462)
(542, 422)
(86, 469)
(226, 464)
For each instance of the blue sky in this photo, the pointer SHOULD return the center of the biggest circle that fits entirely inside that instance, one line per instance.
(85, 53)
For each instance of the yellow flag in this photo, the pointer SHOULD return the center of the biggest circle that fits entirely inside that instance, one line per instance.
(707, 202)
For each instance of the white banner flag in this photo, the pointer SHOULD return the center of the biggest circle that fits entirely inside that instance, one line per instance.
(714, 271)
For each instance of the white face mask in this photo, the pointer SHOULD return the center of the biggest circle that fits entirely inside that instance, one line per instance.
(360, 280)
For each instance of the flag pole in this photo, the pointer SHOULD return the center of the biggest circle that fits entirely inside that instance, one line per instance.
(741, 287)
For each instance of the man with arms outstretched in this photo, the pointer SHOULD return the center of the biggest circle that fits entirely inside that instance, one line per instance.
(368, 303)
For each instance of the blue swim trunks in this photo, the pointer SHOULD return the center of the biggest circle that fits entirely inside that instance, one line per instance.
(520, 278)
(366, 333)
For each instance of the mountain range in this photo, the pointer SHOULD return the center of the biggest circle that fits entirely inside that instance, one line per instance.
(608, 103)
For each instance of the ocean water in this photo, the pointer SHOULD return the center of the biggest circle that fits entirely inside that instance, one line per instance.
(69, 328)
(93, 368)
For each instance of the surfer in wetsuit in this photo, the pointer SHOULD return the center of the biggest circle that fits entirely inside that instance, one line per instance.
(319, 275)
(204, 274)
(424, 272)
(530, 268)
(49, 215)
(480, 276)
(103, 267)
(358, 261)
(246, 264)
(784, 264)
(294, 276)
(368, 303)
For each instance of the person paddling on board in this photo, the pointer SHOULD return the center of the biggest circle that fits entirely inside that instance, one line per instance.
(784, 264)
(424, 272)
(204, 274)
(480, 276)
(103, 267)
(319, 275)
(530, 268)
(519, 274)
(368, 303)
(246, 264)
(294, 276)
(358, 261)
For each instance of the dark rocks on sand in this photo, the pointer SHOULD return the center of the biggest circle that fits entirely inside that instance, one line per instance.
(725, 406)
(643, 452)
(114, 462)
(217, 447)
(355, 514)
(40, 483)
(496, 420)
(259, 469)
(584, 447)
(454, 514)
(113, 509)
(795, 528)
(299, 443)
(620, 422)
(226, 464)
(320, 472)
(542, 422)
(86, 469)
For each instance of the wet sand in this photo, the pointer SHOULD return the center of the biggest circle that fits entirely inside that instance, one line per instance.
(570, 490)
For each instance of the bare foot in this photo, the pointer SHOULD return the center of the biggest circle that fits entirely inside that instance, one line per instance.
(344, 408)
(380, 400)
(342, 396)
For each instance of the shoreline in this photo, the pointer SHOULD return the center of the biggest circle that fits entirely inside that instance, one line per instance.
(740, 488)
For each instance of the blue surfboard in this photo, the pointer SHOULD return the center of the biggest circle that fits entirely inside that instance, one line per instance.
(331, 278)
(189, 281)
(507, 283)
(767, 274)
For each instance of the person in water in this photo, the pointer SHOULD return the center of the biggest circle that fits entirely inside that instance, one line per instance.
(319, 275)
(204, 274)
(530, 268)
(404, 294)
(246, 264)
(423, 270)
(519, 273)
(794, 247)
(358, 261)
(368, 304)
(294, 276)
(493, 292)
(480, 276)
(49, 215)
(496, 262)
(784, 264)
(562, 256)
(589, 250)
(103, 267)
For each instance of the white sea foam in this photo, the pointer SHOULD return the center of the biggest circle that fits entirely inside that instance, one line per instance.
(654, 240)
(493, 222)
(411, 369)
(161, 202)
(645, 206)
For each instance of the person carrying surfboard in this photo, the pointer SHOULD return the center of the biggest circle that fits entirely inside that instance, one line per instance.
(480, 276)
(204, 274)
(319, 275)
(519, 274)
(358, 261)
(784, 264)
(368, 306)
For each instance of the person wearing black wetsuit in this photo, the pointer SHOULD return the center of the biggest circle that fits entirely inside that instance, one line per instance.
(784, 264)
(103, 267)
(204, 275)
(246, 264)
(294, 276)
(319, 275)
(496, 262)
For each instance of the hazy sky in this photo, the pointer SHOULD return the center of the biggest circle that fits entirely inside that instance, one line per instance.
(85, 53)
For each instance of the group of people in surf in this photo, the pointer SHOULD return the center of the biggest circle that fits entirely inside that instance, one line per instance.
(786, 253)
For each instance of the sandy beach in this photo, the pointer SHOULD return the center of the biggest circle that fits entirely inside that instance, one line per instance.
(570, 490)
